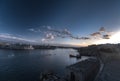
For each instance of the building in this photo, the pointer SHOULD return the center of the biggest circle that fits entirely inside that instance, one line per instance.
(83, 71)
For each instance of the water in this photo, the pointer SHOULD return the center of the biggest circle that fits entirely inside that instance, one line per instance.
(26, 65)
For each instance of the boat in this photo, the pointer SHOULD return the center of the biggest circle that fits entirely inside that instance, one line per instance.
(76, 56)
(72, 55)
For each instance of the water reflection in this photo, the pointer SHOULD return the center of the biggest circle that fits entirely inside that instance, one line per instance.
(26, 65)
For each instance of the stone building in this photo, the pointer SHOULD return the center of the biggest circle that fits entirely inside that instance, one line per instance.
(83, 71)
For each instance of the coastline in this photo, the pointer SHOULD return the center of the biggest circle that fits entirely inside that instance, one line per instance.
(109, 54)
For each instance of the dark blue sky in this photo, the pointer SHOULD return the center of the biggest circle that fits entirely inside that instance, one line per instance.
(81, 17)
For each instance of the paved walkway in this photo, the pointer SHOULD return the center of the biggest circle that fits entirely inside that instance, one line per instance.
(111, 71)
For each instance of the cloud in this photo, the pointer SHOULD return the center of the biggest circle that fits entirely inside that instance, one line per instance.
(49, 27)
(101, 34)
(31, 29)
(102, 29)
(48, 36)
(35, 30)
(110, 33)
(43, 40)
(96, 34)
(50, 33)
(85, 38)
(15, 38)
(64, 33)
(80, 38)
(106, 36)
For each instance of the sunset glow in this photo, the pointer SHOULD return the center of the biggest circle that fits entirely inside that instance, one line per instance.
(115, 38)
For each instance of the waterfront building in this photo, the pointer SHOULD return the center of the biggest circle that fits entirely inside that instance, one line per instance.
(83, 71)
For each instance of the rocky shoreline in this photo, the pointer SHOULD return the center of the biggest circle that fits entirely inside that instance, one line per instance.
(109, 54)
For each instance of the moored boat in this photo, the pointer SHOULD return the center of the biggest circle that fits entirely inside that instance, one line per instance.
(77, 56)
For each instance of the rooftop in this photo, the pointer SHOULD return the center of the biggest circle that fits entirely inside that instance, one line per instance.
(84, 66)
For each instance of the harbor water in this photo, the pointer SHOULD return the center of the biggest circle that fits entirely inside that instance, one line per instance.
(26, 65)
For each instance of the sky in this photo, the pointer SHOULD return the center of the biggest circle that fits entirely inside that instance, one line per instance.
(60, 21)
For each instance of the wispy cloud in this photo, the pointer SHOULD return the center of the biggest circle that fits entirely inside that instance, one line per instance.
(96, 34)
(106, 36)
(7, 36)
(80, 38)
(102, 33)
(65, 33)
(48, 36)
(34, 30)
(50, 33)
(102, 29)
